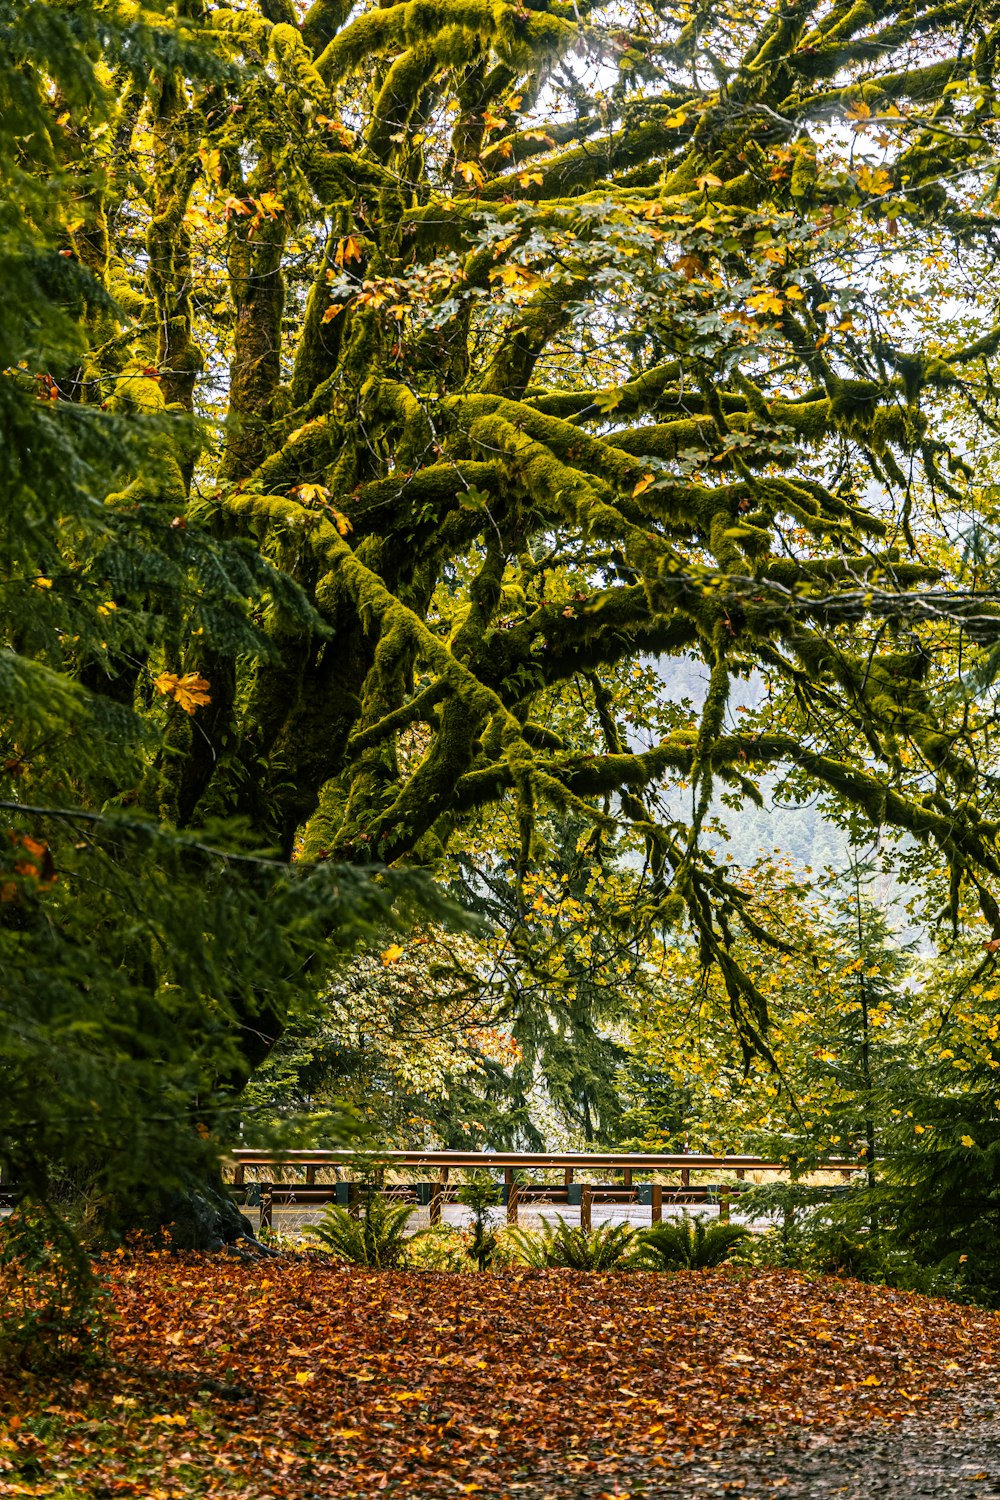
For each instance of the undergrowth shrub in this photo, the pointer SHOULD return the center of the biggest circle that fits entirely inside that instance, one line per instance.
(439, 1248)
(54, 1309)
(690, 1243)
(377, 1237)
(568, 1246)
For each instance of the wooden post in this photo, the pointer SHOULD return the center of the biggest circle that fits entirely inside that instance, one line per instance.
(685, 1178)
(741, 1173)
(353, 1201)
(437, 1196)
(586, 1205)
(239, 1172)
(513, 1201)
(310, 1174)
(656, 1198)
(724, 1202)
(627, 1176)
(568, 1174)
(266, 1205)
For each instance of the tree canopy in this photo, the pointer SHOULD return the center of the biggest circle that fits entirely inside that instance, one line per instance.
(396, 394)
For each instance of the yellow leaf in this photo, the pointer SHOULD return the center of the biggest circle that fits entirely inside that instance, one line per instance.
(268, 204)
(674, 121)
(344, 1432)
(707, 180)
(303, 1377)
(875, 181)
(644, 483)
(347, 249)
(188, 692)
(310, 492)
(766, 301)
(332, 312)
(472, 172)
(342, 523)
(967, 1140)
(527, 178)
(859, 111)
(871, 1380)
(43, 583)
(392, 954)
(212, 163)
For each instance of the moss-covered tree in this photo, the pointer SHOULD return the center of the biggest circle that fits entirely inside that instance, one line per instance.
(535, 340)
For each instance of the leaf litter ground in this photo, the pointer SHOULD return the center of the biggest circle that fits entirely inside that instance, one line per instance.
(295, 1377)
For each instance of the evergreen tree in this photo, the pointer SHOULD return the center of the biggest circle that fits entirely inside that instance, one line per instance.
(143, 969)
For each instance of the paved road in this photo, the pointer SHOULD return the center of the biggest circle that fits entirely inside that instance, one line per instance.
(926, 1458)
(289, 1220)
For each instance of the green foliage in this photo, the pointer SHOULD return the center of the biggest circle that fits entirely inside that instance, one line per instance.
(480, 1193)
(375, 1237)
(690, 1243)
(507, 419)
(54, 1312)
(570, 1247)
(439, 1248)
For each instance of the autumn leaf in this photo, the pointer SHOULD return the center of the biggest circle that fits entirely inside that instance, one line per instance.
(527, 178)
(189, 692)
(644, 484)
(308, 493)
(472, 173)
(268, 205)
(874, 180)
(392, 954)
(766, 301)
(348, 249)
(707, 180)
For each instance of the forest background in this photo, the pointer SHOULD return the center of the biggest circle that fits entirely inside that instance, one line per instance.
(458, 459)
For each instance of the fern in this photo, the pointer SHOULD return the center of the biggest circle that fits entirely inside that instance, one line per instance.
(377, 1238)
(687, 1244)
(570, 1247)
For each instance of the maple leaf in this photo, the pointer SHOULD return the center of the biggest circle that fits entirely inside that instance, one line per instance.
(707, 180)
(268, 205)
(644, 484)
(392, 954)
(307, 493)
(527, 178)
(472, 173)
(347, 250)
(766, 301)
(189, 692)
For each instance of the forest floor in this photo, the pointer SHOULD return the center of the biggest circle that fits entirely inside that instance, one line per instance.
(293, 1377)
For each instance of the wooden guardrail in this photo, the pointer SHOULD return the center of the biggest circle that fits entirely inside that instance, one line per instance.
(514, 1164)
